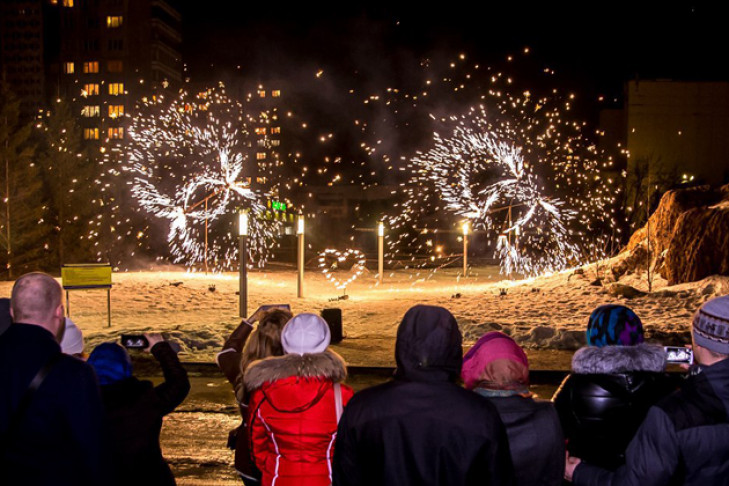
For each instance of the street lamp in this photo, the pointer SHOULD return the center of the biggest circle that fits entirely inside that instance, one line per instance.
(300, 259)
(465, 247)
(380, 249)
(243, 264)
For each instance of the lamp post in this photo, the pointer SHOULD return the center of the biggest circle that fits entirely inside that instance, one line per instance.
(380, 249)
(243, 265)
(300, 259)
(465, 247)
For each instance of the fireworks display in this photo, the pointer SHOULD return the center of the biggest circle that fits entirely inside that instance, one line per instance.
(516, 167)
(191, 168)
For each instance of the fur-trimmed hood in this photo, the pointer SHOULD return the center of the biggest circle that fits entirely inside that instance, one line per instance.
(328, 365)
(619, 359)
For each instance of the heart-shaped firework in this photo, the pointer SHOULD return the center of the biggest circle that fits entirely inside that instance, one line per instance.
(330, 260)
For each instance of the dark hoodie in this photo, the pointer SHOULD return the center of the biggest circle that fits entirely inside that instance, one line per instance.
(422, 428)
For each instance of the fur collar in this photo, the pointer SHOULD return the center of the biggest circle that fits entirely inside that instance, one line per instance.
(328, 365)
(592, 360)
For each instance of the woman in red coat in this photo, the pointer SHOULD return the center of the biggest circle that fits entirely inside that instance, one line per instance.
(296, 401)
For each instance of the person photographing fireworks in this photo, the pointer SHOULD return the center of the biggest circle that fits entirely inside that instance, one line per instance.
(134, 410)
(685, 437)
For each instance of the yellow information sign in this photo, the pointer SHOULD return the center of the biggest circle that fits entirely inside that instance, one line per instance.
(86, 276)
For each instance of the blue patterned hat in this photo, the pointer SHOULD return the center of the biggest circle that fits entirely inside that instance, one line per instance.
(614, 325)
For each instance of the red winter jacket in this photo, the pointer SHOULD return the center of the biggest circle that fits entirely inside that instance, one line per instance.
(293, 418)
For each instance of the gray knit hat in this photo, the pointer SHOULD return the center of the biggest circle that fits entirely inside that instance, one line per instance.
(711, 325)
(305, 333)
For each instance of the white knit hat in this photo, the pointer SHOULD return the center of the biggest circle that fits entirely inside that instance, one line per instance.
(711, 325)
(73, 340)
(305, 333)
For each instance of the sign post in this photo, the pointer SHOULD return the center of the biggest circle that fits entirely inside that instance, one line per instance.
(465, 248)
(380, 249)
(300, 256)
(243, 266)
(86, 276)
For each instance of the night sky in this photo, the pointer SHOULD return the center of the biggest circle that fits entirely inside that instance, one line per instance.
(595, 45)
(592, 49)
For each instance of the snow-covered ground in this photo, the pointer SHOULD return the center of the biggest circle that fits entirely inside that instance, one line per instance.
(550, 312)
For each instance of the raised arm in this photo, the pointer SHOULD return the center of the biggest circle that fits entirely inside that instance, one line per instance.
(228, 359)
(176, 386)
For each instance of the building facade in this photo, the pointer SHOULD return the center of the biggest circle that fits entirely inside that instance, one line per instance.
(679, 129)
(113, 52)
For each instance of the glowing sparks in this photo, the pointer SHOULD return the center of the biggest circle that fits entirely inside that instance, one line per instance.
(332, 260)
(191, 169)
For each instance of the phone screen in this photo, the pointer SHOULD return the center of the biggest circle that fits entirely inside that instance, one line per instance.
(677, 354)
(276, 306)
(134, 341)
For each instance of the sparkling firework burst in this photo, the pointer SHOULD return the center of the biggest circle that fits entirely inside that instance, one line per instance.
(517, 168)
(484, 179)
(191, 169)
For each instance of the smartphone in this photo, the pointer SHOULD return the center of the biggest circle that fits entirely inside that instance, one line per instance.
(134, 341)
(264, 308)
(679, 355)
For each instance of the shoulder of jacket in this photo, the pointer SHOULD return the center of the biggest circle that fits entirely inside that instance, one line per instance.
(694, 405)
(327, 365)
(619, 359)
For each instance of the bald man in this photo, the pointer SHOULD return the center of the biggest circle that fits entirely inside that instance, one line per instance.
(51, 435)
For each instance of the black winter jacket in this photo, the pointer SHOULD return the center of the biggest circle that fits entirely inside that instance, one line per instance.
(228, 361)
(607, 396)
(134, 411)
(535, 439)
(59, 440)
(684, 439)
(421, 428)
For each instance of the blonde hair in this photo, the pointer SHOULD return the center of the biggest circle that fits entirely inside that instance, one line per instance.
(265, 341)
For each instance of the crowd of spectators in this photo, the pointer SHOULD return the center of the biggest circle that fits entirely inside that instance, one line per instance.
(443, 419)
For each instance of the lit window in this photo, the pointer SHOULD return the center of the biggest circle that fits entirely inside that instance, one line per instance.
(114, 66)
(114, 21)
(69, 67)
(91, 67)
(262, 93)
(116, 89)
(90, 110)
(275, 130)
(115, 133)
(261, 156)
(261, 143)
(116, 111)
(275, 143)
(261, 180)
(68, 3)
(90, 89)
(261, 131)
(276, 93)
(91, 133)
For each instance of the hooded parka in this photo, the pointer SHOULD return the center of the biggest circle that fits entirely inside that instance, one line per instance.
(422, 428)
(293, 416)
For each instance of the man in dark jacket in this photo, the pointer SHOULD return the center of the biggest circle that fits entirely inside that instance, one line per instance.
(55, 438)
(685, 437)
(421, 428)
